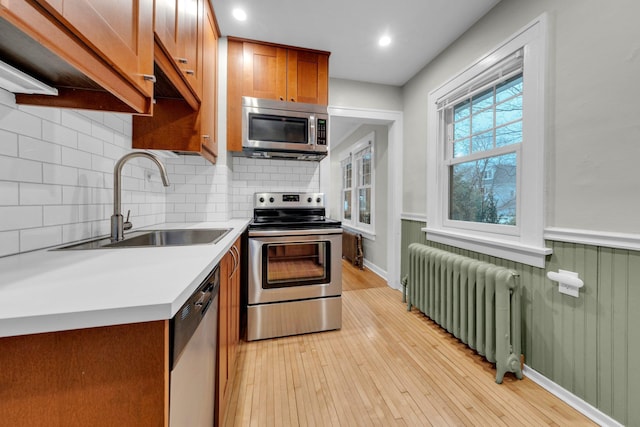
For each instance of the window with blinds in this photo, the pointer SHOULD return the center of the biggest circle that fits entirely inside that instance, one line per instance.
(485, 152)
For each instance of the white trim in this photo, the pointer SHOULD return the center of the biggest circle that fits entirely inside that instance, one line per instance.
(394, 181)
(528, 245)
(585, 408)
(608, 239)
(511, 250)
(365, 234)
(410, 216)
(377, 270)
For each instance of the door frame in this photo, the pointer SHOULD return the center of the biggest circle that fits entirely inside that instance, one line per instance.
(393, 120)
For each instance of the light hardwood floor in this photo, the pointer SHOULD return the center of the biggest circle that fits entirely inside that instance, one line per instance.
(385, 367)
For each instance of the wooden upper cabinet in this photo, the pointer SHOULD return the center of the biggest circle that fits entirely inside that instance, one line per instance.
(120, 31)
(177, 124)
(269, 71)
(179, 29)
(307, 77)
(99, 54)
(264, 71)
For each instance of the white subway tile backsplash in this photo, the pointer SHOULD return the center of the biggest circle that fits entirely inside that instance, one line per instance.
(57, 174)
(20, 122)
(75, 158)
(90, 144)
(77, 195)
(19, 217)
(9, 193)
(59, 134)
(102, 132)
(8, 143)
(61, 214)
(40, 194)
(74, 121)
(36, 149)
(56, 178)
(114, 122)
(9, 241)
(15, 169)
(36, 238)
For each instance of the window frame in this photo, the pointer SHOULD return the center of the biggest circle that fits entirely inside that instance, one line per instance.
(523, 242)
(366, 142)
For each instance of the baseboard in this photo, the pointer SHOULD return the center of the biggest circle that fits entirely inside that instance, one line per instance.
(377, 270)
(588, 410)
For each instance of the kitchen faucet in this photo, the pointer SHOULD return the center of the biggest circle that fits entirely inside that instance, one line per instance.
(117, 224)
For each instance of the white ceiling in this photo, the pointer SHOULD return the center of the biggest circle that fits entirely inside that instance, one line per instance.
(350, 29)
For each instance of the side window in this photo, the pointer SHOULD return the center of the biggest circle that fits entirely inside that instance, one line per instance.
(358, 172)
(485, 152)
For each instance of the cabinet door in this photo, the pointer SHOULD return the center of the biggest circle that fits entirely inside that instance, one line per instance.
(190, 19)
(120, 31)
(166, 25)
(264, 71)
(209, 105)
(226, 268)
(307, 77)
(178, 26)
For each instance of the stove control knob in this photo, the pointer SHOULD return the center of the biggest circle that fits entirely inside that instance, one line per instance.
(271, 199)
(308, 199)
(318, 200)
(261, 199)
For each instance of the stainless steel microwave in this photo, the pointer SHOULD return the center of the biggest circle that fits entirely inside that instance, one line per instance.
(283, 130)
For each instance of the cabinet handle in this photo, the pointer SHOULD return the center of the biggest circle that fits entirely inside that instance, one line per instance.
(235, 261)
(190, 72)
(149, 77)
(206, 136)
(182, 60)
(281, 98)
(293, 100)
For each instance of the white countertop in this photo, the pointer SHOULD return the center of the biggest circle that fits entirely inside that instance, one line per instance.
(49, 290)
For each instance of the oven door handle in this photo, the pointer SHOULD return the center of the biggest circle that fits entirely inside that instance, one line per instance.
(289, 232)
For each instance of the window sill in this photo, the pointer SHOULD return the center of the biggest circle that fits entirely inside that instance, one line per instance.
(511, 250)
(365, 234)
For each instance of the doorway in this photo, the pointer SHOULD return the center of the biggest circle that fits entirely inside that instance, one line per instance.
(343, 122)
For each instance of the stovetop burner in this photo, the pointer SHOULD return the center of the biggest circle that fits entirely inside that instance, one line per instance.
(290, 211)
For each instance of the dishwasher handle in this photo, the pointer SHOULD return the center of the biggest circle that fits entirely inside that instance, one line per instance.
(184, 324)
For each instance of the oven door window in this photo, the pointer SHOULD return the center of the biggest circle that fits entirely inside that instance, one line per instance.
(266, 127)
(295, 264)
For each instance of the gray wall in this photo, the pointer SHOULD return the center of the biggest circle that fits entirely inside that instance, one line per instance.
(593, 125)
(375, 251)
(350, 93)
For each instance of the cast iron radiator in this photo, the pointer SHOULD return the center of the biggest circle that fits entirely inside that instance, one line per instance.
(477, 302)
(352, 248)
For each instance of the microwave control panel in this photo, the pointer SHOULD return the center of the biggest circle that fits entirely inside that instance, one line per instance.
(321, 132)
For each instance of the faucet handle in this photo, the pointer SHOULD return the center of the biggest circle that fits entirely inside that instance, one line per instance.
(127, 225)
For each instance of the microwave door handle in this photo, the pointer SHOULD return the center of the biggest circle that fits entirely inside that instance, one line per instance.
(312, 130)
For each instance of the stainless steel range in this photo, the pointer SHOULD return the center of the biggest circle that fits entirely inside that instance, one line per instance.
(295, 270)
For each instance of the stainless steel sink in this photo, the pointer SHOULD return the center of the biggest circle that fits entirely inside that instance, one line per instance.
(157, 238)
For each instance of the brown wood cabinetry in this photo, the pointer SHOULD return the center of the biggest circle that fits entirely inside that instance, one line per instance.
(179, 30)
(113, 375)
(264, 70)
(228, 327)
(176, 124)
(100, 49)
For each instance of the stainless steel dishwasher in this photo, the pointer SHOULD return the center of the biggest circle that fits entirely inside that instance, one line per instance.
(193, 338)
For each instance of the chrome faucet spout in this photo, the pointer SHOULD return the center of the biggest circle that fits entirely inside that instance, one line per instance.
(117, 223)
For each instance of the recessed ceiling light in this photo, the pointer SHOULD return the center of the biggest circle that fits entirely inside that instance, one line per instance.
(384, 41)
(239, 14)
